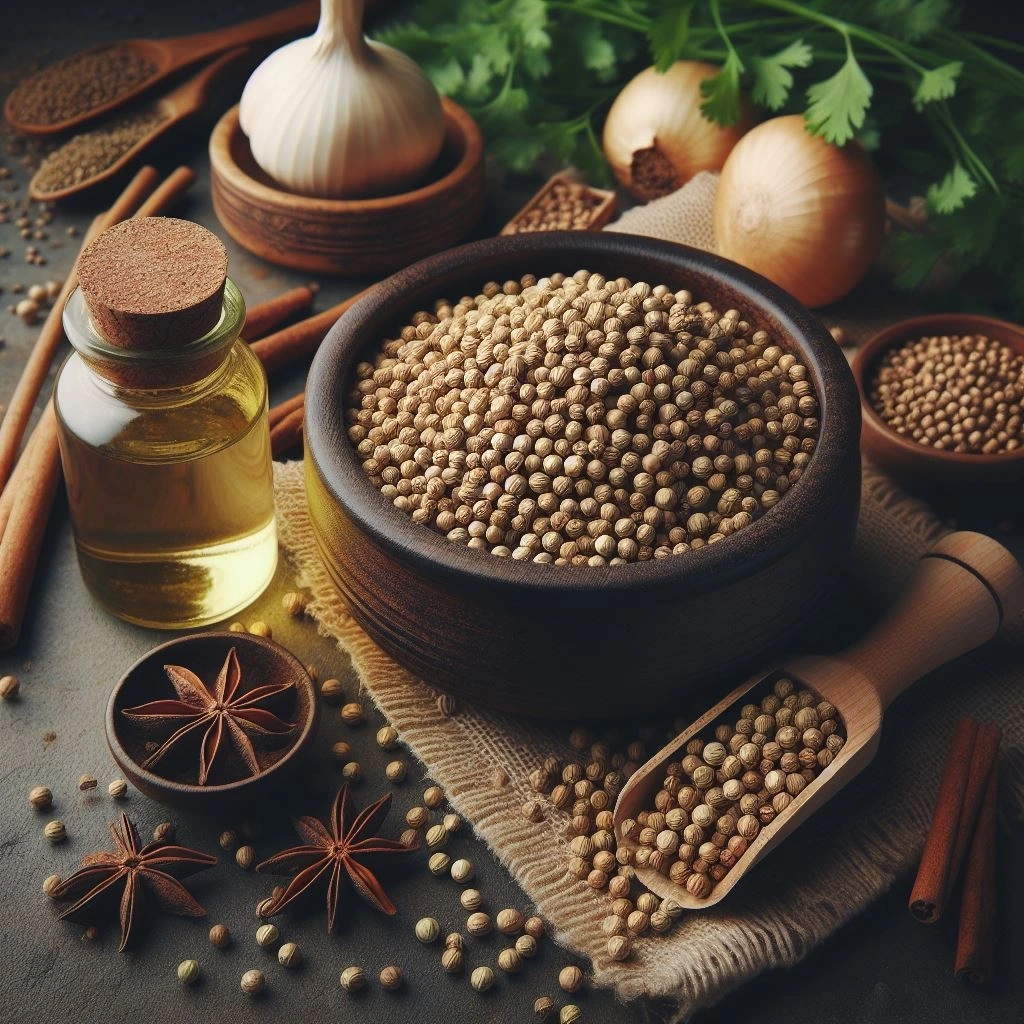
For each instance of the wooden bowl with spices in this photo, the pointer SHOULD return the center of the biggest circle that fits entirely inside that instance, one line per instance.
(348, 236)
(609, 636)
(923, 464)
(212, 720)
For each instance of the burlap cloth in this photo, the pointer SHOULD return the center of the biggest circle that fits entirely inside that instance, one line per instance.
(846, 856)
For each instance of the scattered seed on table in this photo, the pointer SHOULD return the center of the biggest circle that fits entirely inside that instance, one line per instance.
(164, 832)
(428, 930)
(40, 797)
(220, 936)
(55, 832)
(228, 839)
(509, 921)
(117, 789)
(391, 977)
(260, 628)
(188, 972)
(387, 737)
(9, 687)
(471, 899)
(451, 960)
(478, 924)
(265, 907)
(433, 797)
(542, 1007)
(437, 835)
(50, 884)
(352, 772)
(462, 870)
(294, 604)
(439, 863)
(570, 1014)
(482, 979)
(510, 961)
(396, 771)
(570, 979)
(289, 955)
(452, 823)
(267, 935)
(332, 691)
(245, 856)
(341, 752)
(87, 782)
(353, 979)
(252, 982)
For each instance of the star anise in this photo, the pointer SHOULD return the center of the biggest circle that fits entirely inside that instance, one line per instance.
(334, 852)
(153, 869)
(215, 711)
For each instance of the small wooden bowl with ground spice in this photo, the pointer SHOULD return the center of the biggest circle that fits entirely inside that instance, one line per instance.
(348, 236)
(620, 633)
(237, 708)
(919, 464)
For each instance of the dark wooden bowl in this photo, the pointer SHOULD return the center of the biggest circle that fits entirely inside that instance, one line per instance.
(560, 642)
(348, 236)
(262, 661)
(905, 459)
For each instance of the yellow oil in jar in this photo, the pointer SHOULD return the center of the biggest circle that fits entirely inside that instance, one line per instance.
(171, 491)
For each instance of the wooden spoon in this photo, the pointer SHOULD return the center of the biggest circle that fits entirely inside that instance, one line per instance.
(169, 56)
(177, 105)
(963, 592)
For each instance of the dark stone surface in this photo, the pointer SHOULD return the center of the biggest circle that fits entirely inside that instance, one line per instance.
(882, 968)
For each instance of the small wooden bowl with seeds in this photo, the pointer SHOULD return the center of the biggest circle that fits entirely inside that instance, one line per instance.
(891, 419)
(628, 622)
(213, 720)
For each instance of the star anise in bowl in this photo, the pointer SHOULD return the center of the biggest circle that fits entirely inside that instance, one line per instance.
(211, 718)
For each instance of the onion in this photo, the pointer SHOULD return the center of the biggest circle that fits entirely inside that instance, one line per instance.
(655, 136)
(807, 215)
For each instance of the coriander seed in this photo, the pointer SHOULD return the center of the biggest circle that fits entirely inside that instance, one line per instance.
(267, 936)
(570, 979)
(526, 946)
(417, 817)
(352, 713)
(188, 972)
(451, 960)
(165, 832)
(462, 870)
(454, 940)
(40, 797)
(289, 955)
(433, 797)
(332, 691)
(534, 926)
(387, 737)
(50, 885)
(428, 930)
(245, 857)
(265, 907)
(220, 936)
(510, 961)
(482, 979)
(117, 789)
(353, 979)
(341, 752)
(352, 771)
(439, 863)
(619, 947)
(391, 978)
(471, 899)
(437, 835)
(55, 832)
(396, 771)
(87, 783)
(294, 604)
(9, 687)
(260, 628)
(509, 921)
(253, 982)
(478, 924)
(452, 823)
(570, 1014)
(542, 1007)
(228, 840)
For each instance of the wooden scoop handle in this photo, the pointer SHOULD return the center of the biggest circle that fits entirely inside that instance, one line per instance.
(964, 591)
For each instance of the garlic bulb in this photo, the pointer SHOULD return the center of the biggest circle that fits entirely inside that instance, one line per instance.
(808, 215)
(655, 136)
(340, 116)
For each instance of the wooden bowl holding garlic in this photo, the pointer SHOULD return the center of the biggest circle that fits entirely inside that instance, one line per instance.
(569, 471)
(342, 158)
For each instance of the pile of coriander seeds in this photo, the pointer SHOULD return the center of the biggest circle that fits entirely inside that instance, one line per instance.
(583, 420)
(726, 787)
(954, 393)
(561, 206)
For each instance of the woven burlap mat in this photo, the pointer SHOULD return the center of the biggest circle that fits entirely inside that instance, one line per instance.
(848, 854)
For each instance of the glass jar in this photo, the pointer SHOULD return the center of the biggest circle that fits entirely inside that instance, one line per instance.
(167, 461)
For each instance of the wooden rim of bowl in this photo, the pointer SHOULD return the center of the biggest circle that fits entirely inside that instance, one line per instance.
(191, 790)
(226, 167)
(773, 535)
(866, 358)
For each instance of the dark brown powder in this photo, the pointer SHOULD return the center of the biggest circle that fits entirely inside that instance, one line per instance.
(76, 85)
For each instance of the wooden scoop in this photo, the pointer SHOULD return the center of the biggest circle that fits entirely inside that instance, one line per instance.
(963, 592)
(177, 105)
(172, 55)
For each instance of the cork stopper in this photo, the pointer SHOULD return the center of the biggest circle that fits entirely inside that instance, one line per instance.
(154, 283)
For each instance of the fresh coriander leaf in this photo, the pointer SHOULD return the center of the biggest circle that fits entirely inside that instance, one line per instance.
(669, 33)
(937, 83)
(836, 107)
(596, 50)
(722, 92)
(1012, 163)
(772, 77)
(953, 191)
(479, 80)
(915, 257)
(448, 77)
(912, 20)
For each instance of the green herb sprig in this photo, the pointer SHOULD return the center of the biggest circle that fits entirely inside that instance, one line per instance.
(941, 106)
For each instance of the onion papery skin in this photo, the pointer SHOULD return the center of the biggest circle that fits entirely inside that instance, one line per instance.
(807, 215)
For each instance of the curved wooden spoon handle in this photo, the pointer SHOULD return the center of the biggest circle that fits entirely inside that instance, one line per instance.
(963, 592)
(269, 26)
(192, 94)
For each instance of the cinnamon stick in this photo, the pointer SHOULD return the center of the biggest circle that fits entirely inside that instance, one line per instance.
(301, 339)
(16, 483)
(262, 318)
(933, 882)
(279, 412)
(286, 434)
(983, 763)
(166, 194)
(26, 527)
(33, 376)
(976, 938)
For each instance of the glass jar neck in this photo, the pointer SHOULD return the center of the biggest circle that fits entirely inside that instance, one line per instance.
(172, 368)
